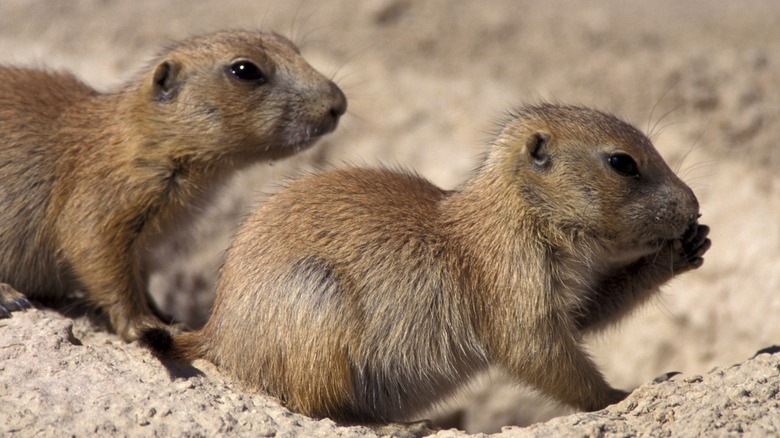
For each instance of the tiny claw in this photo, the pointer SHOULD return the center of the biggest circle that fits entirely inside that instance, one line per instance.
(701, 249)
(20, 304)
(696, 262)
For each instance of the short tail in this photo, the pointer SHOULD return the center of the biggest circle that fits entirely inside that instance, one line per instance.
(165, 345)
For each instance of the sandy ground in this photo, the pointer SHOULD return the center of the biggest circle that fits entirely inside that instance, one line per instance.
(426, 82)
(59, 377)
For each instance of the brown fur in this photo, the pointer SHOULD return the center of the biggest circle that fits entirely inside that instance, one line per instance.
(91, 181)
(368, 294)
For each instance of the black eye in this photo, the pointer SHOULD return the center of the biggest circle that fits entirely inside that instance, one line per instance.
(247, 71)
(624, 165)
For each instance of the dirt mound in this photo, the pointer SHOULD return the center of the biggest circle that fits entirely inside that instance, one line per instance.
(59, 376)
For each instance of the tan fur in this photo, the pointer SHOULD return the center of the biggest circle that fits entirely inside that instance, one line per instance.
(89, 182)
(368, 294)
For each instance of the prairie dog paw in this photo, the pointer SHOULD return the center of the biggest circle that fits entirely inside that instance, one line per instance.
(693, 244)
(11, 300)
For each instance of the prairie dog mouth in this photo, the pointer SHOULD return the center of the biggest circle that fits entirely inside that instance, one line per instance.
(302, 135)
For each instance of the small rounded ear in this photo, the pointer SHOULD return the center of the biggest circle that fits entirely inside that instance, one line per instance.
(165, 82)
(537, 149)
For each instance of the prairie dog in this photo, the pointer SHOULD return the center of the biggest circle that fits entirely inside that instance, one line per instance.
(90, 181)
(368, 294)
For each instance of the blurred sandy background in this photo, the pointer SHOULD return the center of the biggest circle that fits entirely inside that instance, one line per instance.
(427, 80)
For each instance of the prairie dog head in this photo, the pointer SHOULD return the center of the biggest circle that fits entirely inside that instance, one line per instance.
(247, 93)
(590, 175)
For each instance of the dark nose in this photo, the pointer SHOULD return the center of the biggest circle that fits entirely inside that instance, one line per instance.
(338, 106)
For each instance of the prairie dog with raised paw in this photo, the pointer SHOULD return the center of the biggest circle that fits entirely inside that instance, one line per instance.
(89, 182)
(369, 294)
